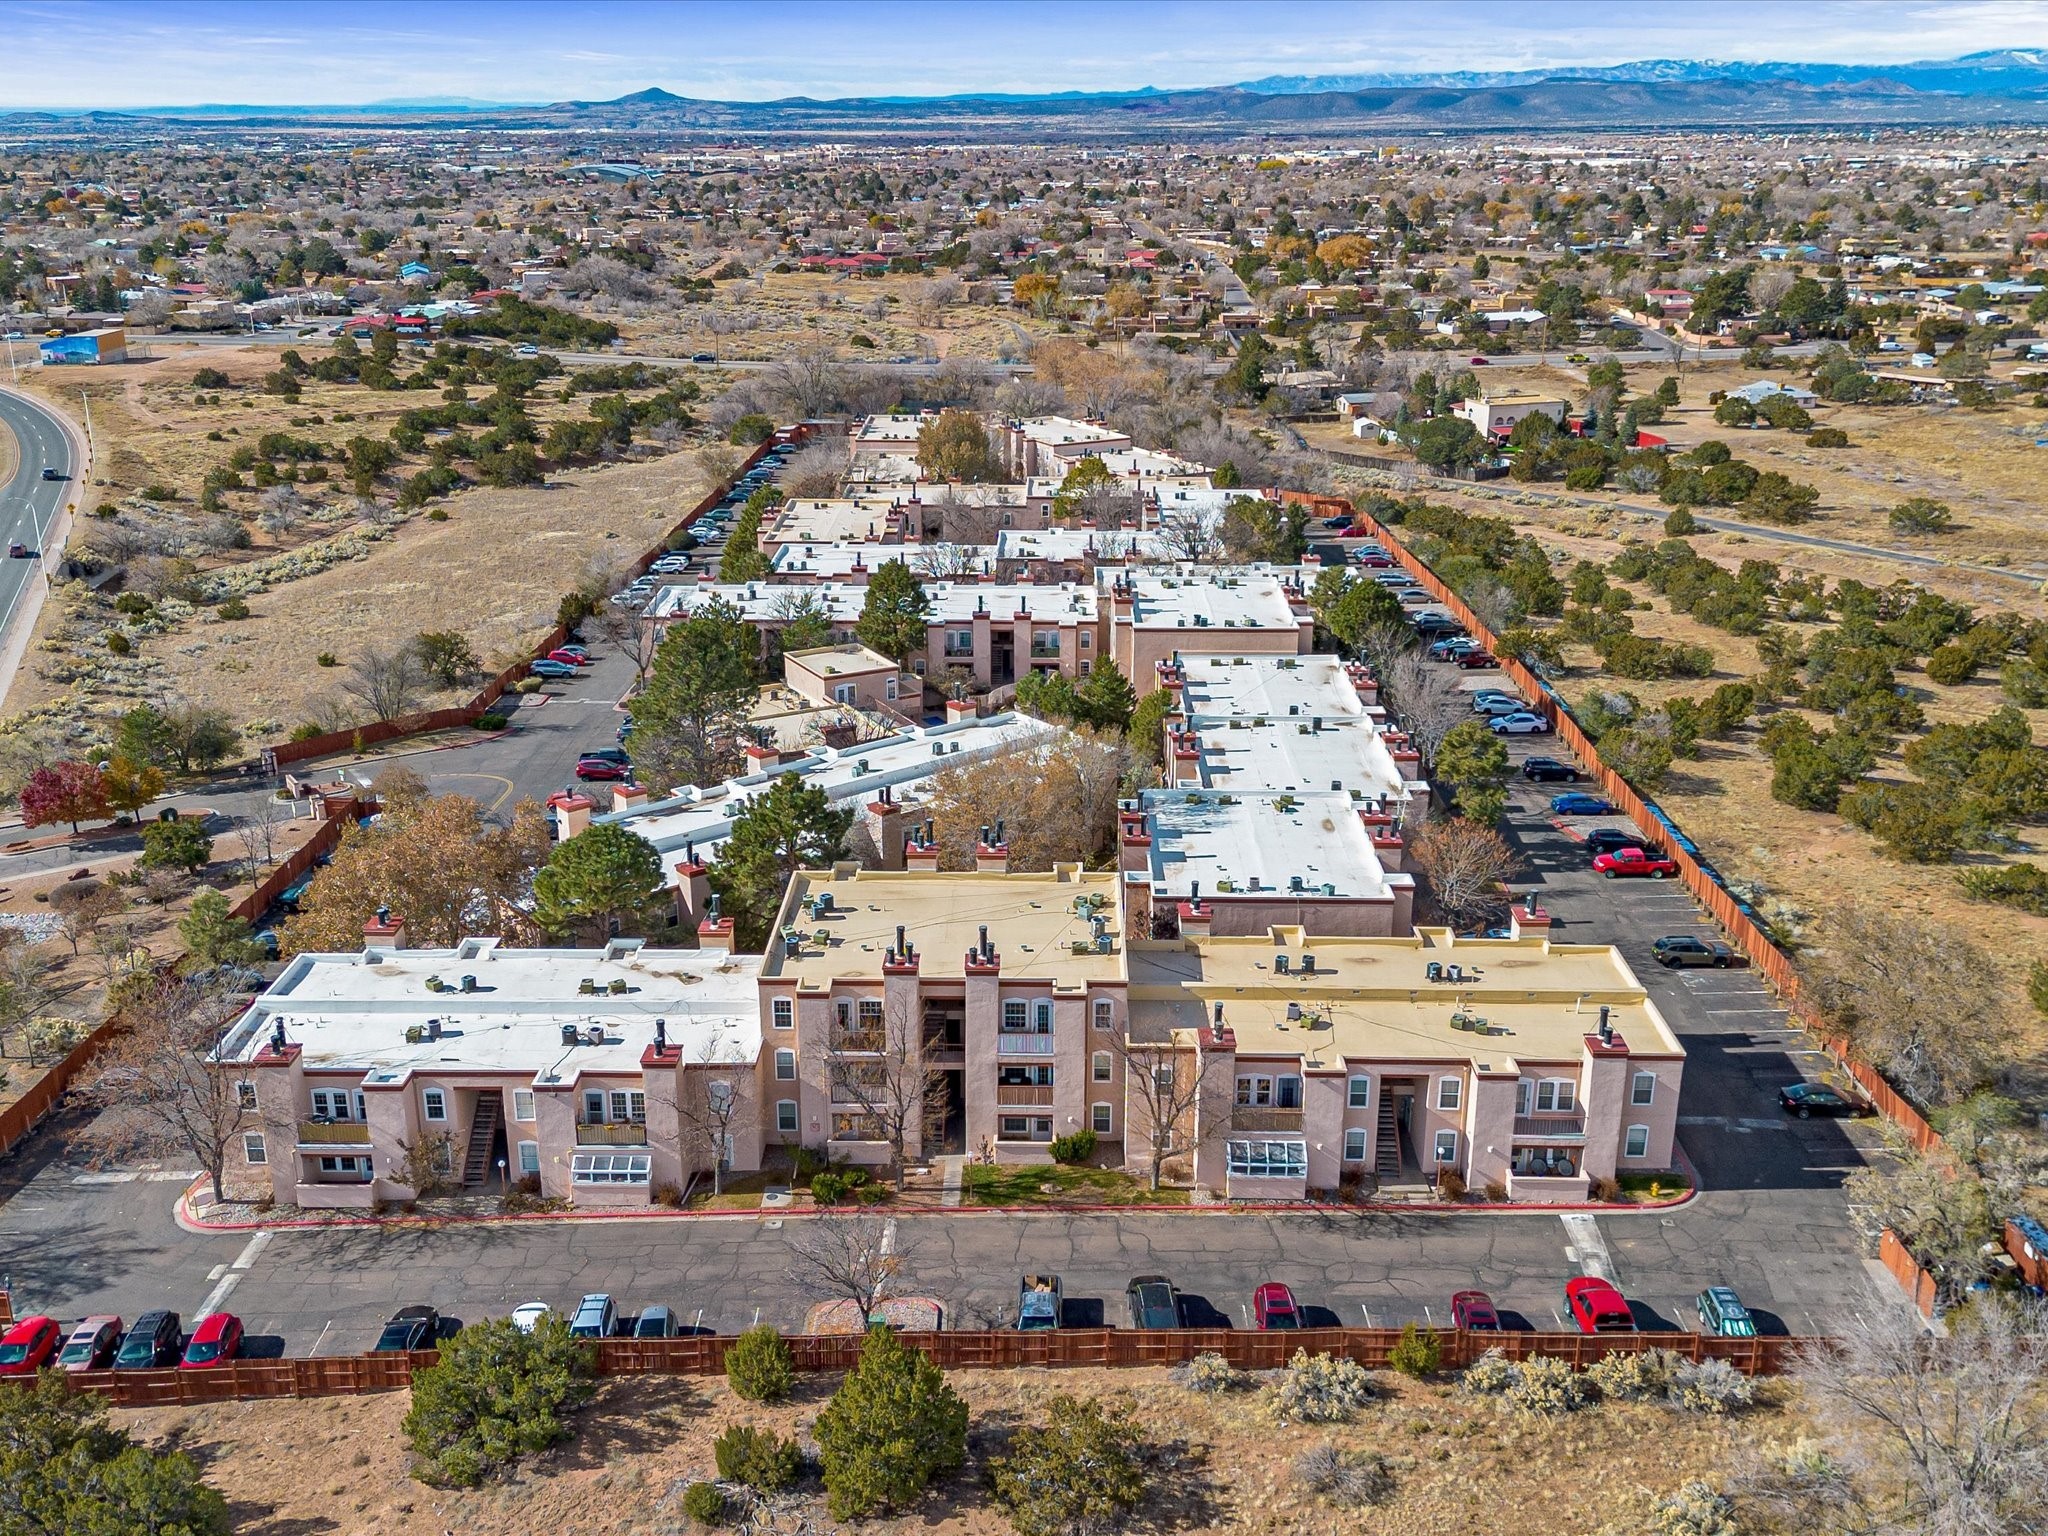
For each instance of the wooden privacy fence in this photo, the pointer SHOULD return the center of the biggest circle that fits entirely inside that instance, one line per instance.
(375, 732)
(1065, 1348)
(1699, 878)
(1916, 1282)
(326, 837)
(23, 1115)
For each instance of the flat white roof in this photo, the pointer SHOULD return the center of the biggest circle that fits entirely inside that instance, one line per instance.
(1289, 754)
(1059, 430)
(827, 561)
(1223, 685)
(1078, 544)
(890, 429)
(1205, 600)
(1262, 842)
(829, 520)
(350, 1012)
(699, 819)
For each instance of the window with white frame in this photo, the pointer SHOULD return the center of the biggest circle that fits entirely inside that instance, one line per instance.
(1636, 1142)
(330, 1104)
(529, 1158)
(782, 1013)
(1359, 1094)
(1447, 1146)
(718, 1096)
(1642, 1088)
(522, 1104)
(1099, 1120)
(1105, 1013)
(253, 1150)
(1449, 1091)
(1267, 1159)
(1556, 1094)
(629, 1107)
(785, 1066)
(1041, 1017)
(1257, 1090)
(435, 1104)
(1099, 1067)
(351, 1167)
(1014, 1015)
(785, 1116)
(1085, 666)
(245, 1094)
(1354, 1144)
(869, 1012)
(1525, 1095)
(609, 1167)
(1162, 1079)
(593, 1106)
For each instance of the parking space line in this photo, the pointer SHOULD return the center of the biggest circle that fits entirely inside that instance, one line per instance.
(255, 1246)
(1585, 1246)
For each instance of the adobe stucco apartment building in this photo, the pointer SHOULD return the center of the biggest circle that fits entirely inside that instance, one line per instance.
(1002, 1009)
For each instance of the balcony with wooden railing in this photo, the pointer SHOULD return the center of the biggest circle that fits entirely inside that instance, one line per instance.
(334, 1133)
(1258, 1118)
(854, 1039)
(1570, 1127)
(1023, 1096)
(611, 1133)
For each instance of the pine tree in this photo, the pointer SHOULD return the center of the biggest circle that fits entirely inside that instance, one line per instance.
(1106, 699)
(602, 875)
(792, 827)
(896, 613)
(892, 1427)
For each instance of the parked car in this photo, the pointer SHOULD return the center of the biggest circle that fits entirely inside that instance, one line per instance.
(153, 1341)
(1473, 1311)
(1606, 839)
(1038, 1303)
(548, 667)
(414, 1327)
(625, 728)
(1634, 863)
(91, 1345)
(527, 1315)
(1722, 1313)
(1548, 770)
(1457, 645)
(1681, 949)
(580, 652)
(1273, 1307)
(592, 767)
(1809, 1099)
(216, 1341)
(1595, 1306)
(29, 1345)
(608, 754)
(1497, 704)
(1154, 1302)
(1473, 661)
(596, 1317)
(1373, 558)
(1575, 804)
(1522, 722)
(655, 1323)
(568, 658)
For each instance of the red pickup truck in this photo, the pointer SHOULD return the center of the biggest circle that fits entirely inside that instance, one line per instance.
(1634, 861)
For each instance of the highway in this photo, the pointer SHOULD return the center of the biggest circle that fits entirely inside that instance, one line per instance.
(29, 505)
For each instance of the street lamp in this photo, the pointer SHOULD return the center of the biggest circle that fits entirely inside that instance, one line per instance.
(502, 1185)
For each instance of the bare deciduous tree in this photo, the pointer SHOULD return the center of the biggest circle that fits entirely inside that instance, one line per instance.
(712, 1103)
(1189, 533)
(1426, 697)
(1161, 1087)
(159, 1088)
(888, 1079)
(1466, 863)
(857, 1258)
(387, 683)
(257, 834)
(817, 468)
(623, 629)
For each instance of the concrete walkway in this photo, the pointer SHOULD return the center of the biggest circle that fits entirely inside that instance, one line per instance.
(952, 1167)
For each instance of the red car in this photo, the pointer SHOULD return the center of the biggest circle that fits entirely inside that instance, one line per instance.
(1478, 362)
(1474, 659)
(1473, 1312)
(216, 1341)
(1273, 1307)
(29, 1345)
(569, 657)
(1376, 561)
(1597, 1307)
(1634, 861)
(602, 768)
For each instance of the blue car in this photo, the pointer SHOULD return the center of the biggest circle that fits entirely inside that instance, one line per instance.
(1580, 805)
(546, 668)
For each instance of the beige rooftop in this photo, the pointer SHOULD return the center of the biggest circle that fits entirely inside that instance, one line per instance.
(1372, 998)
(1033, 923)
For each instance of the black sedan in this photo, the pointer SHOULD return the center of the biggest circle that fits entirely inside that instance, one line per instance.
(1607, 839)
(1809, 1099)
(1548, 770)
(1680, 949)
(410, 1328)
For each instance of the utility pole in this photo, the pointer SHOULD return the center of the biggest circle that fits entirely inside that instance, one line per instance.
(86, 400)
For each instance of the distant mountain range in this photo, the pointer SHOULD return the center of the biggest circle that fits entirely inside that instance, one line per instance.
(2005, 85)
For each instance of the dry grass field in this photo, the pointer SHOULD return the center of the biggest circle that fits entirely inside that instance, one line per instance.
(493, 566)
(338, 1465)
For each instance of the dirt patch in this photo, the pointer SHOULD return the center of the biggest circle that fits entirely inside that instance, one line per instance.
(339, 1465)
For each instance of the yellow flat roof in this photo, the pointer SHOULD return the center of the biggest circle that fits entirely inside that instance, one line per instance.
(1033, 922)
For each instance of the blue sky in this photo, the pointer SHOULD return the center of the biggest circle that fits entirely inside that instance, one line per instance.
(124, 53)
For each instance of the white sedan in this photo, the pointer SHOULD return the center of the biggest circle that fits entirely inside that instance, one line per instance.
(1521, 723)
(527, 1315)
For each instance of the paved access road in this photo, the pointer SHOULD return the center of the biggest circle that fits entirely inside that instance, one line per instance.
(28, 503)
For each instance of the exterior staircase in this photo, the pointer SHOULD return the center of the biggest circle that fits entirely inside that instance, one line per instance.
(483, 1130)
(1387, 1141)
